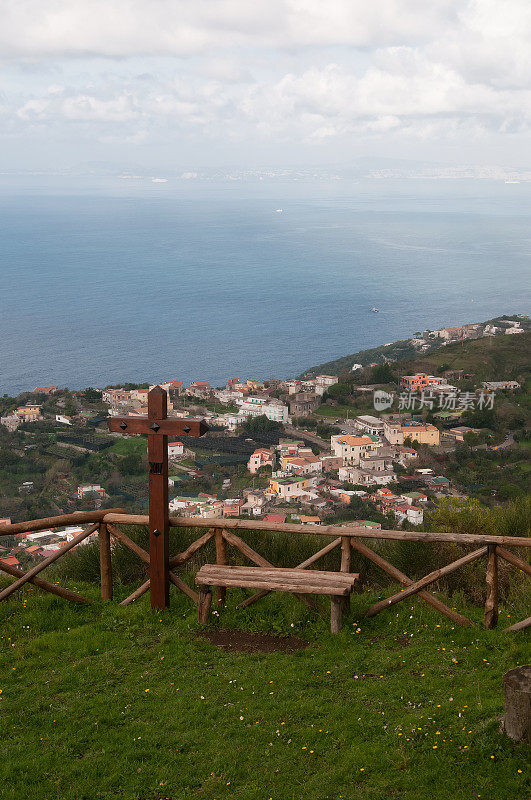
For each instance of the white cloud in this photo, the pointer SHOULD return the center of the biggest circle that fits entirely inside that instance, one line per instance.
(282, 71)
(119, 28)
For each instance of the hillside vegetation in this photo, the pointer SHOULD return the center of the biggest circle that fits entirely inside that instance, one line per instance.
(495, 348)
(489, 358)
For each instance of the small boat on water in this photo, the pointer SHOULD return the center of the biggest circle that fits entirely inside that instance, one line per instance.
(376, 310)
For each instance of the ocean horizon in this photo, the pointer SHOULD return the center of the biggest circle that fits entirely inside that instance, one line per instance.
(107, 281)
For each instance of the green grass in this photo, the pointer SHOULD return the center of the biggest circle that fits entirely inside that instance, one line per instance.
(341, 411)
(108, 702)
(123, 446)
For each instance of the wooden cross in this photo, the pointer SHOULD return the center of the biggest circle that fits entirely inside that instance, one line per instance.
(157, 426)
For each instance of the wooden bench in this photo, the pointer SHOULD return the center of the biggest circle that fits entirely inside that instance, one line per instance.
(338, 585)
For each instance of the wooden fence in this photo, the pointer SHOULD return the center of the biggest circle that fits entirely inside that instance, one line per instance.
(222, 531)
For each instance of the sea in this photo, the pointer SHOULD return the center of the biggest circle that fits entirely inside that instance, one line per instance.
(106, 279)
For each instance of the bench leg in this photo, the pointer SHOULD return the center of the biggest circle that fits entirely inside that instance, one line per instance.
(203, 606)
(346, 603)
(336, 610)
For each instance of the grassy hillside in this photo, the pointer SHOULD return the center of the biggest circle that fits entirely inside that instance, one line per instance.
(403, 349)
(103, 702)
(491, 358)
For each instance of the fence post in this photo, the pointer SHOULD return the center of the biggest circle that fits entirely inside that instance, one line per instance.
(105, 562)
(346, 561)
(221, 560)
(491, 602)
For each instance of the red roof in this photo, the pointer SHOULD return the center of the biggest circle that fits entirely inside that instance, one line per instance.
(175, 444)
(274, 518)
(11, 561)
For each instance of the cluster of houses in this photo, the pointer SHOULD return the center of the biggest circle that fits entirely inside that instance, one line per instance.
(364, 459)
(248, 399)
(27, 413)
(297, 477)
(458, 333)
(41, 544)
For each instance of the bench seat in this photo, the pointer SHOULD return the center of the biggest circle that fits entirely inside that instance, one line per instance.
(338, 585)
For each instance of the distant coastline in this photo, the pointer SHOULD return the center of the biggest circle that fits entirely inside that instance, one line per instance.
(426, 342)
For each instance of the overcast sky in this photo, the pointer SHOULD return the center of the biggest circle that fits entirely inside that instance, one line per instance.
(202, 83)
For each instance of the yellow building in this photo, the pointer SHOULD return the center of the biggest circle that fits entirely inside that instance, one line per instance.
(423, 434)
(288, 488)
(28, 413)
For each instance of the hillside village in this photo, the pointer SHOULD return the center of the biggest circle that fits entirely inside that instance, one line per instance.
(376, 445)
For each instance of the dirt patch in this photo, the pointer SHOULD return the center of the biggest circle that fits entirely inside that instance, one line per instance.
(234, 641)
(403, 641)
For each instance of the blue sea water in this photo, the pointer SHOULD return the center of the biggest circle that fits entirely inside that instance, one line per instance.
(113, 281)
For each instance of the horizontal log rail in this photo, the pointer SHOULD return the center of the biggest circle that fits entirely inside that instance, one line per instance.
(348, 538)
(76, 518)
(223, 533)
(324, 530)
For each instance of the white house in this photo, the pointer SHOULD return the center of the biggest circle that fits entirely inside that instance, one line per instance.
(175, 449)
(352, 448)
(415, 515)
(228, 421)
(366, 477)
(90, 489)
(368, 424)
(257, 406)
(307, 465)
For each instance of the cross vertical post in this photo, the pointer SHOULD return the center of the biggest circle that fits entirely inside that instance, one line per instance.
(158, 427)
(159, 522)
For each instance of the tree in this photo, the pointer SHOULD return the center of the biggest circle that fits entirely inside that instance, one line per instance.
(481, 418)
(261, 424)
(92, 394)
(324, 431)
(382, 373)
(131, 464)
(471, 438)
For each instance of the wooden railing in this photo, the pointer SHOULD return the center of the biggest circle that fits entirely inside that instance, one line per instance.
(222, 531)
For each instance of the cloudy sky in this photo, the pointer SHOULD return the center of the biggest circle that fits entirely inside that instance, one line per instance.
(203, 83)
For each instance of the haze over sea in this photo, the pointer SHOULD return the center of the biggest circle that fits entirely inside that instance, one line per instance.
(107, 280)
